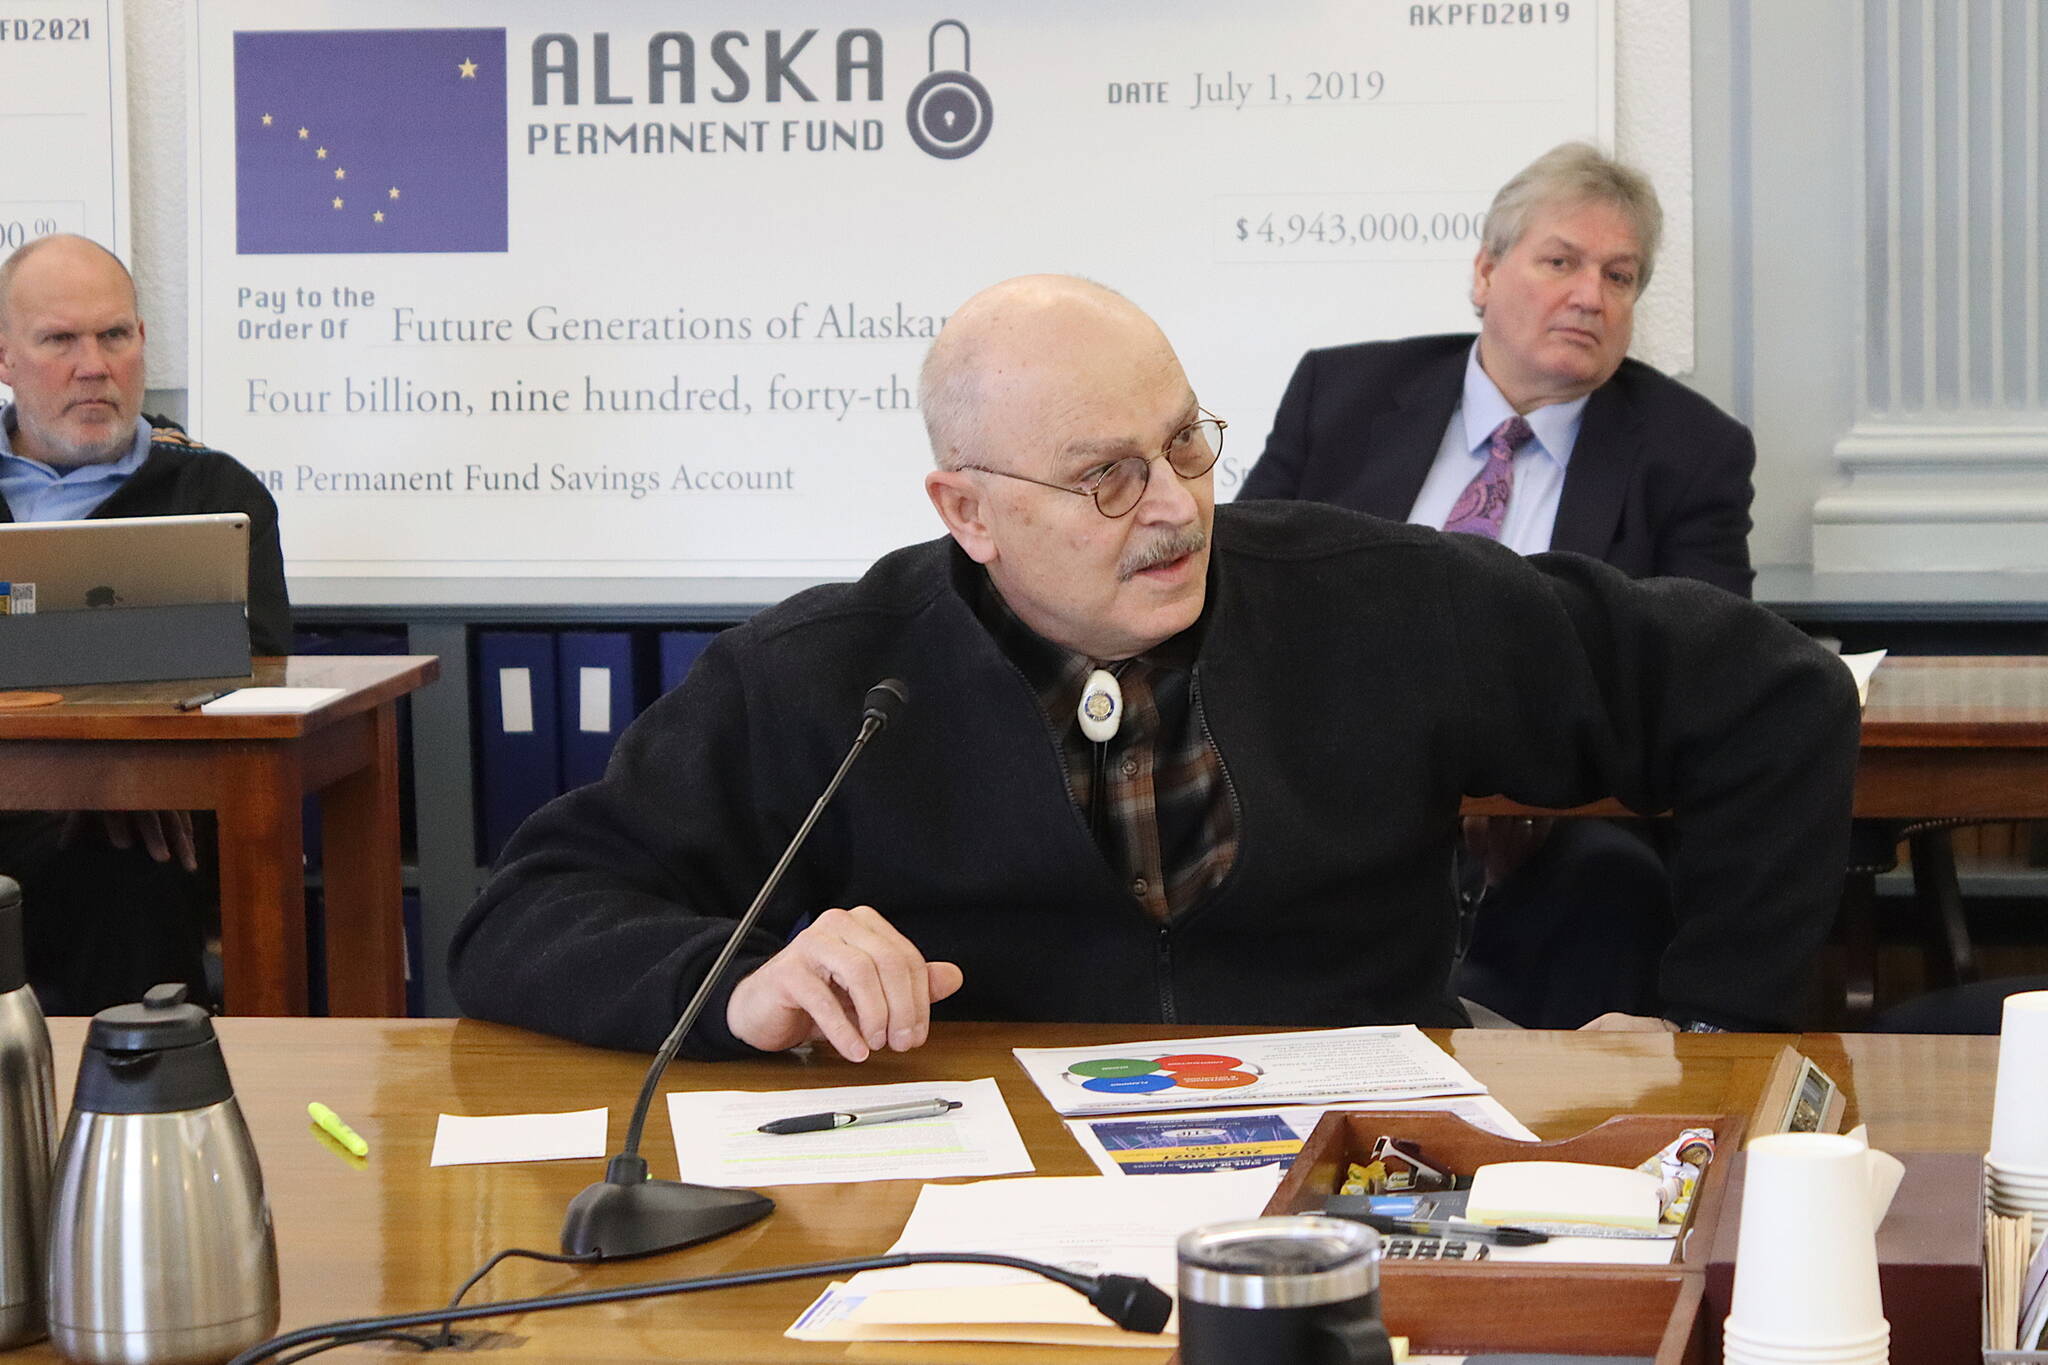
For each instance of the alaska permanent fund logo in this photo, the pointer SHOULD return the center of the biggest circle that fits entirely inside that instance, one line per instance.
(695, 95)
(395, 140)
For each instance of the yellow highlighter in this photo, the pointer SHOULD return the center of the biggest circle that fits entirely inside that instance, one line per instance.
(330, 1123)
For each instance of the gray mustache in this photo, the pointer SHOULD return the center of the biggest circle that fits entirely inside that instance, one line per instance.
(1169, 547)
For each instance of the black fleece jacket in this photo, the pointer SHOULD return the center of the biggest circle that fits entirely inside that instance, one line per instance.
(183, 478)
(1358, 677)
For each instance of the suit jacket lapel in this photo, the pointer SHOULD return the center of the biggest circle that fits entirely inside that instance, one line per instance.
(1596, 482)
(1403, 440)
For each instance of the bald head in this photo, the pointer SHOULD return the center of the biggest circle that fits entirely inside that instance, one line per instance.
(1024, 339)
(1038, 390)
(71, 349)
(62, 252)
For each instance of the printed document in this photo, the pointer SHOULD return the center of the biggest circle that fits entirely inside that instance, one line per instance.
(1247, 1139)
(1388, 1062)
(1084, 1223)
(719, 1142)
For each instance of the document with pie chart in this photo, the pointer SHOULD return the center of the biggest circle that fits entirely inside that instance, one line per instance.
(1391, 1062)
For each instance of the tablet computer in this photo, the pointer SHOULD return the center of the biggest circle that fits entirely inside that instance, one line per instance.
(125, 562)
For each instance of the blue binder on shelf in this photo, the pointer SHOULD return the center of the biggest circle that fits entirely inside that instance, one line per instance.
(679, 650)
(594, 688)
(519, 761)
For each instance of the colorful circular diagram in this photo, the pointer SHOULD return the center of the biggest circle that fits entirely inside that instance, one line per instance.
(1129, 1085)
(1170, 1071)
(1213, 1080)
(1115, 1066)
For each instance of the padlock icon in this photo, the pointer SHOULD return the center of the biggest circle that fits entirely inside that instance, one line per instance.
(950, 110)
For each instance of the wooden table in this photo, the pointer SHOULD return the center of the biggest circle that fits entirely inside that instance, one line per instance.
(1956, 737)
(1943, 738)
(127, 747)
(394, 1235)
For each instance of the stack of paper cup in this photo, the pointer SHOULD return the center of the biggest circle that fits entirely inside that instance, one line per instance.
(2016, 1169)
(1806, 1261)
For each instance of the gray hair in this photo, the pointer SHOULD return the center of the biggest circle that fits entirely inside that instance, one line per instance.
(1575, 173)
(13, 264)
(949, 393)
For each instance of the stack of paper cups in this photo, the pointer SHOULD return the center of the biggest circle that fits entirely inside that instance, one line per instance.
(1806, 1260)
(2016, 1169)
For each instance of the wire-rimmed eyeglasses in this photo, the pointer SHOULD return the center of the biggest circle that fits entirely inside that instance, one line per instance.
(1119, 486)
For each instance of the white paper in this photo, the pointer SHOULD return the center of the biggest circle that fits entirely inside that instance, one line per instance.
(64, 125)
(1087, 1223)
(515, 700)
(465, 1140)
(1592, 1251)
(594, 700)
(1246, 1139)
(1390, 1062)
(1536, 1193)
(1862, 667)
(272, 701)
(836, 1316)
(718, 1141)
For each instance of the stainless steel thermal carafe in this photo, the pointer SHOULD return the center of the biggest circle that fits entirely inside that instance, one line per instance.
(161, 1250)
(28, 1134)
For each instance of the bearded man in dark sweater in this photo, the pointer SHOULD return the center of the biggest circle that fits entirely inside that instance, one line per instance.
(115, 900)
(1260, 830)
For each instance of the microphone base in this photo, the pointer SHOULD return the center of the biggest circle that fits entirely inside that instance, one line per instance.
(614, 1221)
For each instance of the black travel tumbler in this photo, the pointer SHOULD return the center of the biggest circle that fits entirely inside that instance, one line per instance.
(1282, 1291)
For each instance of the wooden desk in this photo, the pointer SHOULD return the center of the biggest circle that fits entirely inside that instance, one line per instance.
(126, 747)
(1943, 738)
(395, 1235)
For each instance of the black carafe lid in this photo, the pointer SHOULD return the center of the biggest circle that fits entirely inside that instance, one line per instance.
(13, 965)
(158, 1057)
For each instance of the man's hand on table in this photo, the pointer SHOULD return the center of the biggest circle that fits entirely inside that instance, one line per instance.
(166, 834)
(848, 978)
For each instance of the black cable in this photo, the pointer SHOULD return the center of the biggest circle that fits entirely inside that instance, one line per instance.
(447, 1337)
(424, 1343)
(1138, 1304)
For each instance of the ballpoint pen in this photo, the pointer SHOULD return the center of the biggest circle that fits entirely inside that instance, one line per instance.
(848, 1118)
(194, 703)
(1353, 1206)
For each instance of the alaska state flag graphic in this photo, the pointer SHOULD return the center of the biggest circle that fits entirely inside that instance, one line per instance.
(367, 140)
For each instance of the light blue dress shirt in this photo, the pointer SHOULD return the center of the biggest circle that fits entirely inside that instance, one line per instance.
(1539, 465)
(38, 492)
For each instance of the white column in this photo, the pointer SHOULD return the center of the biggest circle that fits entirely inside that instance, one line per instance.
(1946, 464)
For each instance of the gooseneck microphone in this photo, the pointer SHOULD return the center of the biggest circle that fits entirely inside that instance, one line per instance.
(627, 1214)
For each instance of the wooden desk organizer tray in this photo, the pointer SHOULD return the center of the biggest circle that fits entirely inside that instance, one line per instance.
(1465, 1308)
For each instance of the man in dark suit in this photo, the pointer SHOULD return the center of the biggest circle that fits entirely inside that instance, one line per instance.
(1657, 483)
(1538, 432)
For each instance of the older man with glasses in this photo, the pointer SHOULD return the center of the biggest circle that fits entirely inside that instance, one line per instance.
(1167, 763)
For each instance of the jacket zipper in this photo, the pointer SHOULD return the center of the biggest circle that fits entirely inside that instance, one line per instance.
(1169, 1010)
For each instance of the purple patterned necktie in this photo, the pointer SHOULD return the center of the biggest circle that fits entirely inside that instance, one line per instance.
(1484, 503)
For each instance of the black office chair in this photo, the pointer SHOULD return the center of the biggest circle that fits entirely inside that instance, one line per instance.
(1974, 1008)
(1874, 850)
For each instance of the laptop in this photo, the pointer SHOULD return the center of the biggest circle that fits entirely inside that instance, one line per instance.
(125, 562)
